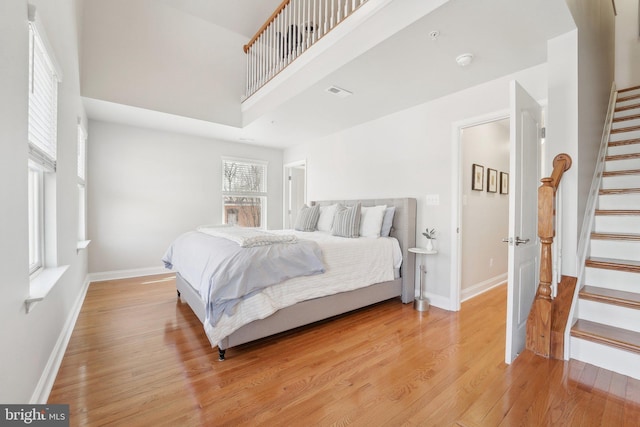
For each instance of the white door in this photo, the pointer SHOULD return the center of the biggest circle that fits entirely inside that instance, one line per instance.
(524, 250)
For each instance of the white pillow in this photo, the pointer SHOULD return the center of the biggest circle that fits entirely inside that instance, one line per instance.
(325, 222)
(371, 220)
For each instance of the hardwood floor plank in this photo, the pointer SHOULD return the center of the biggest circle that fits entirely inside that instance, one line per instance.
(138, 356)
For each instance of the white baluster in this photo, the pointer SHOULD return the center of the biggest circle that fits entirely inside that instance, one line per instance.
(316, 20)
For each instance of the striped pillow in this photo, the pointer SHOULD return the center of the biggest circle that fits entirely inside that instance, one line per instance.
(307, 218)
(346, 222)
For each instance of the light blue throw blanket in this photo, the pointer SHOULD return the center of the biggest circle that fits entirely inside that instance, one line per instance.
(224, 272)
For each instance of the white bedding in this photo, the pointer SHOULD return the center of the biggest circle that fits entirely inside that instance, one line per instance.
(350, 264)
(247, 237)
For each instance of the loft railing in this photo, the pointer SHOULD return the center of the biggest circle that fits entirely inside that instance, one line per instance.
(290, 30)
(539, 320)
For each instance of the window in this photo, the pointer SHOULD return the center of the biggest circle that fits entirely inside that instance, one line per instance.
(42, 131)
(244, 192)
(82, 192)
(36, 217)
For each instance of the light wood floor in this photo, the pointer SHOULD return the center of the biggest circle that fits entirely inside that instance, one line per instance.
(137, 356)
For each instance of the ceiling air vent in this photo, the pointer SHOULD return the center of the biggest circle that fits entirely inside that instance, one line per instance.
(335, 90)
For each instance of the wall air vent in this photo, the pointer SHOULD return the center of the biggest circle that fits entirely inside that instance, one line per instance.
(341, 93)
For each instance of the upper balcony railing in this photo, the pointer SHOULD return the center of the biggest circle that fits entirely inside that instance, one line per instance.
(294, 27)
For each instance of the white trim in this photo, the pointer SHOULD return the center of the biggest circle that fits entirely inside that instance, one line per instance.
(438, 301)
(82, 244)
(34, 18)
(482, 287)
(126, 274)
(42, 283)
(285, 183)
(45, 384)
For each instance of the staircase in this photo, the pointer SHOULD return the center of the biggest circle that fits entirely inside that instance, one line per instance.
(607, 333)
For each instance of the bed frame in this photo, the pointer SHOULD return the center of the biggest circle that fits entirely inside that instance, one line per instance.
(306, 312)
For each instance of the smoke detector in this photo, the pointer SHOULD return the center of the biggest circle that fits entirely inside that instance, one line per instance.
(339, 92)
(464, 59)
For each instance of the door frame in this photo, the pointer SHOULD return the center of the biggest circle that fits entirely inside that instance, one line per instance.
(456, 188)
(285, 187)
(456, 200)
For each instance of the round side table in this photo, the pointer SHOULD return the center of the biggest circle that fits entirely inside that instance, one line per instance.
(421, 303)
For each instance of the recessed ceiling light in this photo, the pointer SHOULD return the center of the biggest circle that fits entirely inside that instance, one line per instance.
(339, 92)
(433, 35)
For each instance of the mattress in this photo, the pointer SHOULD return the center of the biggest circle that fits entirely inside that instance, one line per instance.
(350, 264)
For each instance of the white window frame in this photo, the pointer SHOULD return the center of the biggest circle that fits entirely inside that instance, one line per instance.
(36, 217)
(82, 187)
(44, 77)
(260, 193)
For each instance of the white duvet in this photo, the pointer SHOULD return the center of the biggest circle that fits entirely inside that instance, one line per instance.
(350, 264)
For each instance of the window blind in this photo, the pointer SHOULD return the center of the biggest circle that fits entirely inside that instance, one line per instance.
(244, 178)
(43, 99)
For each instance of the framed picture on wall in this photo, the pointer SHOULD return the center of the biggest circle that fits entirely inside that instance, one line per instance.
(492, 180)
(504, 183)
(477, 176)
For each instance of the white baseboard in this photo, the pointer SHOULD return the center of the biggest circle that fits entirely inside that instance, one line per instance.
(126, 274)
(482, 287)
(439, 301)
(45, 384)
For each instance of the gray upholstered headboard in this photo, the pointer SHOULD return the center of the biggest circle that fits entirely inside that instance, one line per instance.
(404, 229)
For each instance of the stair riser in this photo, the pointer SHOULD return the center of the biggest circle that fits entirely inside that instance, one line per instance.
(625, 123)
(610, 358)
(619, 201)
(626, 113)
(621, 136)
(623, 149)
(612, 279)
(616, 249)
(621, 181)
(626, 103)
(622, 165)
(609, 314)
(616, 223)
(626, 93)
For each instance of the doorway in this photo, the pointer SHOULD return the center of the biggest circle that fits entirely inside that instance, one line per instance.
(484, 219)
(295, 191)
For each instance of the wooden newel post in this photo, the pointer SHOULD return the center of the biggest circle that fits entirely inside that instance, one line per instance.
(539, 320)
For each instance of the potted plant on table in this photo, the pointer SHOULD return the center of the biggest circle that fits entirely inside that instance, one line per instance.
(430, 234)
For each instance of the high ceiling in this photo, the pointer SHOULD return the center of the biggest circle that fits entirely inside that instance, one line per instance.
(178, 64)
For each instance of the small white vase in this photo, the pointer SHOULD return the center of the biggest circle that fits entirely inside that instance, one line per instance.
(429, 244)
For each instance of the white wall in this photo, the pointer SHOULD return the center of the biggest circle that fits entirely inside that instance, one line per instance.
(485, 215)
(169, 58)
(30, 342)
(146, 187)
(627, 44)
(581, 71)
(409, 154)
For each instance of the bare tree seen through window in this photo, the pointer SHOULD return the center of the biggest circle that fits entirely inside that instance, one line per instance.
(243, 182)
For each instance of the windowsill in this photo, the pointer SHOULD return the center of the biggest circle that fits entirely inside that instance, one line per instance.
(41, 284)
(82, 244)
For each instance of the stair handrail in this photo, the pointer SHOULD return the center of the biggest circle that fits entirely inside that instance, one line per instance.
(293, 27)
(268, 22)
(539, 321)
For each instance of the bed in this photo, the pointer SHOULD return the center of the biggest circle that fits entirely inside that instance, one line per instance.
(401, 284)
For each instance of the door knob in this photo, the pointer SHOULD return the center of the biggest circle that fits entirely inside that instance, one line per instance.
(520, 241)
(507, 240)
